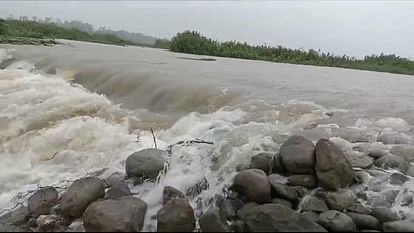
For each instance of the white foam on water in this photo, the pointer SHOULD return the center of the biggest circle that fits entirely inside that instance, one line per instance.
(4, 55)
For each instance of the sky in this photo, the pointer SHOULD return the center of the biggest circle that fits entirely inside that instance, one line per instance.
(352, 27)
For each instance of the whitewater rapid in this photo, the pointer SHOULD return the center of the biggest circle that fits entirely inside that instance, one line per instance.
(52, 128)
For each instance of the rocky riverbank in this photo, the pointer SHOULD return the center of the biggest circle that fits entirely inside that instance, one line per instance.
(303, 187)
(27, 41)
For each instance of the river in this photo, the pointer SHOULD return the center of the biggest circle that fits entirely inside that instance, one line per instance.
(80, 107)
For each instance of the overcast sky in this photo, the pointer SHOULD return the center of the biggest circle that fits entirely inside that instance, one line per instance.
(348, 27)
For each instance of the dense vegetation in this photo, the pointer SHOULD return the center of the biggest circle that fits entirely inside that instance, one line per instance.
(17, 28)
(73, 30)
(193, 42)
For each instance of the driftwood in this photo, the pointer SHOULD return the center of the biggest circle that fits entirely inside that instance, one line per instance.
(155, 140)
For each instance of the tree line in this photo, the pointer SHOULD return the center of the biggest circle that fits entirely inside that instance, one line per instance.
(195, 43)
(49, 28)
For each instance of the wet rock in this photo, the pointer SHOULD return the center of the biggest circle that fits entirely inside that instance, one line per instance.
(384, 214)
(176, 216)
(364, 221)
(339, 200)
(278, 167)
(410, 171)
(336, 221)
(298, 155)
(52, 223)
(79, 195)
(306, 224)
(42, 201)
(211, 221)
(262, 161)
(312, 216)
(170, 193)
(301, 191)
(237, 226)
(125, 214)
(242, 212)
(32, 223)
(280, 201)
(390, 195)
(307, 181)
(118, 189)
(333, 170)
(398, 179)
(12, 228)
(398, 226)
(310, 203)
(274, 218)
(228, 208)
(16, 217)
(283, 190)
(253, 184)
(233, 195)
(145, 164)
(377, 150)
(394, 138)
(406, 153)
(360, 209)
(360, 161)
(393, 161)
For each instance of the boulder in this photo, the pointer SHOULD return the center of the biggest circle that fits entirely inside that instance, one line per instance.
(125, 214)
(42, 201)
(340, 200)
(410, 171)
(16, 217)
(242, 212)
(12, 228)
(176, 216)
(336, 221)
(406, 152)
(364, 221)
(262, 161)
(170, 193)
(278, 167)
(393, 161)
(283, 190)
(333, 170)
(254, 185)
(360, 209)
(79, 195)
(385, 214)
(52, 223)
(377, 150)
(307, 181)
(237, 226)
(398, 179)
(298, 155)
(314, 204)
(312, 216)
(275, 218)
(280, 201)
(211, 221)
(398, 226)
(363, 161)
(228, 208)
(118, 189)
(145, 164)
